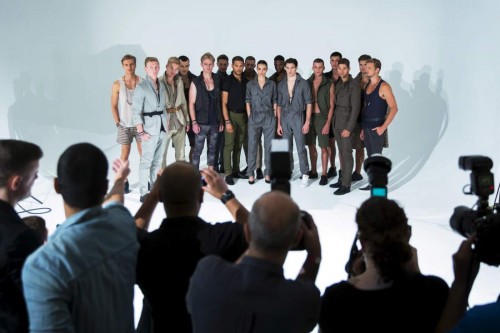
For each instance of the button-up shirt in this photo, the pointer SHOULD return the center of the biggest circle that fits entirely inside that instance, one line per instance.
(301, 96)
(261, 100)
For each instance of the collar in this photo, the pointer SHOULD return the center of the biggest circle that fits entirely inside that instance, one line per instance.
(262, 264)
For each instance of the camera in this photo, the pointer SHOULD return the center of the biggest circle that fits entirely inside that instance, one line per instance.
(484, 221)
(280, 166)
(377, 168)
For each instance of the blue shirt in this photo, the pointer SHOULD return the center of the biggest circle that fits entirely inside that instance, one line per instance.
(481, 318)
(83, 279)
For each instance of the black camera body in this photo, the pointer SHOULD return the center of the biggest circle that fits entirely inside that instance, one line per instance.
(280, 166)
(377, 168)
(484, 221)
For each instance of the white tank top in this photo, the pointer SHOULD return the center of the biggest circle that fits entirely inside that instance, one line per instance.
(125, 98)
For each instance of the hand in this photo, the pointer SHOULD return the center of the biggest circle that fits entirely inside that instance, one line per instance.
(221, 127)
(145, 137)
(465, 263)
(196, 128)
(216, 186)
(345, 133)
(380, 130)
(279, 130)
(311, 237)
(121, 169)
(187, 128)
(305, 128)
(229, 128)
(362, 135)
(325, 130)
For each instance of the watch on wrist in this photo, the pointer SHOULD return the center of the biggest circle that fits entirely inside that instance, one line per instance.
(228, 195)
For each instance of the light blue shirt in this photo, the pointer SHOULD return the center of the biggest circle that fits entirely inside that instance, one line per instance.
(83, 279)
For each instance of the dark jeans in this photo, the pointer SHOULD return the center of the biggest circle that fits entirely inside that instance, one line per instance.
(206, 131)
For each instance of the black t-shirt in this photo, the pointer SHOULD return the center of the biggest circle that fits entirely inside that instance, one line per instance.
(236, 93)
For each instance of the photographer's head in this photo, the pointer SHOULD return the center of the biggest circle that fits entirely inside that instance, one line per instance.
(384, 234)
(180, 190)
(82, 172)
(274, 224)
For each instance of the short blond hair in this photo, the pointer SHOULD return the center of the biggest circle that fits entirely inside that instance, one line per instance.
(207, 55)
(173, 60)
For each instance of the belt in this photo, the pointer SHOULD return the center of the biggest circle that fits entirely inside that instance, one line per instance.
(174, 110)
(150, 114)
(374, 119)
(238, 111)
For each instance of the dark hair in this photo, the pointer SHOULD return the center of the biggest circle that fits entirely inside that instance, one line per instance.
(222, 57)
(336, 54)
(183, 58)
(345, 61)
(319, 61)
(249, 58)
(375, 63)
(237, 58)
(279, 58)
(364, 57)
(82, 175)
(129, 57)
(292, 61)
(262, 62)
(15, 158)
(383, 225)
(150, 59)
(37, 224)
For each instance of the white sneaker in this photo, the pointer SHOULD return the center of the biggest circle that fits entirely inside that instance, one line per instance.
(305, 181)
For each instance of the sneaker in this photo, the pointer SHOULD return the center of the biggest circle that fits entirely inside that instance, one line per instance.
(260, 174)
(313, 175)
(366, 188)
(356, 176)
(342, 190)
(323, 181)
(126, 189)
(338, 184)
(229, 180)
(332, 172)
(305, 181)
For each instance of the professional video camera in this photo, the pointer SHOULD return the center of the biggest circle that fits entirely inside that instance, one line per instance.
(280, 166)
(484, 221)
(377, 167)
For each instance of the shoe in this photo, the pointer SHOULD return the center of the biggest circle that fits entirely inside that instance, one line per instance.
(338, 184)
(260, 174)
(323, 181)
(242, 175)
(251, 180)
(244, 171)
(332, 172)
(356, 176)
(229, 180)
(143, 197)
(268, 181)
(305, 181)
(313, 175)
(342, 190)
(366, 188)
(126, 189)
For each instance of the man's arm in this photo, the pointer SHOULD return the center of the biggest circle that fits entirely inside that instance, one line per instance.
(355, 108)
(386, 93)
(279, 128)
(183, 103)
(216, 186)
(122, 171)
(312, 244)
(115, 91)
(145, 212)
(192, 113)
(305, 128)
(225, 112)
(326, 129)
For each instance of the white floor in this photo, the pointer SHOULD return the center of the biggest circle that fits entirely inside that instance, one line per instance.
(427, 209)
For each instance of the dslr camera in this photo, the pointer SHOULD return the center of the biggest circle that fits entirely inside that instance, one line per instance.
(481, 220)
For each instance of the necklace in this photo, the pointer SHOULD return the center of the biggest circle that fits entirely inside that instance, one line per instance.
(128, 92)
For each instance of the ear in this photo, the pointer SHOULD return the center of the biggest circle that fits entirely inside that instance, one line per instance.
(246, 231)
(56, 185)
(13, 182)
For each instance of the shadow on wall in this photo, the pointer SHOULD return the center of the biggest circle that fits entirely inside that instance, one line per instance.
(80, 110)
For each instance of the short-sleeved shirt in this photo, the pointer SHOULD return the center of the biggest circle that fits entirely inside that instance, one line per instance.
(411, 306)
(301, 96)
(261, 100)
(252, 296)
(168, 257)
(236, 93)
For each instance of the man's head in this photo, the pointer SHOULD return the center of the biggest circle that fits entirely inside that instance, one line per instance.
(37, 224)
(222, 63)
(173, 64)
(237, 65)
(249, 63)
(262, 68)
(279, 63)
(274, 223)
(207, 62)
(362, 62)
(344, 68)
(334, 59)
(19, 162)
(184, 65)
(82, 172)
(291, 66)
(373, 67)
(129, 63)
(180, 189)
(152, 67)
(318, 67)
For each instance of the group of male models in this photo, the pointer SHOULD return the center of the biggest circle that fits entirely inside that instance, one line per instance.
(230, 112)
